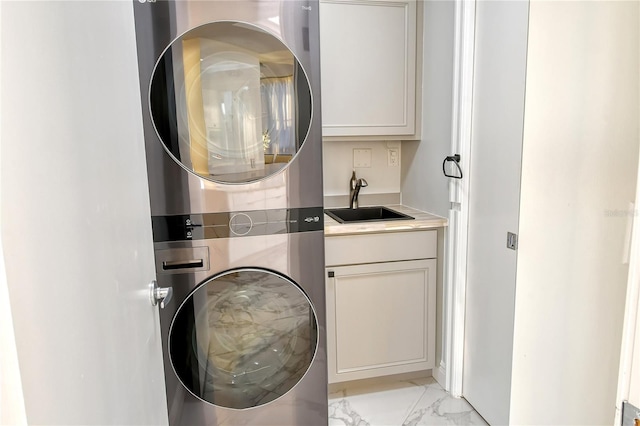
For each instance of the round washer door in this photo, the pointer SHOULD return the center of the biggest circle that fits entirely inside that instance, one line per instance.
(243, 338)
(230, 102)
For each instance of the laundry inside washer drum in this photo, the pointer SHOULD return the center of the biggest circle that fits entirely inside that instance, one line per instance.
(250, 337)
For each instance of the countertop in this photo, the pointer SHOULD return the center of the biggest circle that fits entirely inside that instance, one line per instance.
(423, 220)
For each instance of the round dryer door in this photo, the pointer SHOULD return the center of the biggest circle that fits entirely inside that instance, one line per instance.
(230, 102)
(243, 338)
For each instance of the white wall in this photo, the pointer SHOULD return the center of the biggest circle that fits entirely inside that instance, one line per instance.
(338, 166)
(76, 229)
(579, 170)
(423, 184)
(11, 399)
(12, 411)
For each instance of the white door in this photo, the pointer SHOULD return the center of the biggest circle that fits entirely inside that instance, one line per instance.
(498, 114)
(76, 231)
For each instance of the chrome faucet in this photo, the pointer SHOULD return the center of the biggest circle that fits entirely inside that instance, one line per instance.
(355, 185)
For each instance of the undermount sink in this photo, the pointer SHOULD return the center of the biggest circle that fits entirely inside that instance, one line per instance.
(366, 214)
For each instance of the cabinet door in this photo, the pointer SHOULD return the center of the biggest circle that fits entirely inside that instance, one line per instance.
(368, 53)
(380, 319)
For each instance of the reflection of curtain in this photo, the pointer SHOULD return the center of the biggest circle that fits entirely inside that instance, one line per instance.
(278, 119)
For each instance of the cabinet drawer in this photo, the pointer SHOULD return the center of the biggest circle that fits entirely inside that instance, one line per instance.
(373, 248)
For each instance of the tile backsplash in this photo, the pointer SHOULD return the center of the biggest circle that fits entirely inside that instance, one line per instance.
(338, 164)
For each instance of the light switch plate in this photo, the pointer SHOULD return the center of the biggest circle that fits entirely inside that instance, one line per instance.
(393, 157)
(362, 157)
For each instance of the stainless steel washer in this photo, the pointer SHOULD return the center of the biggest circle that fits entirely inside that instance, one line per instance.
(230, 96)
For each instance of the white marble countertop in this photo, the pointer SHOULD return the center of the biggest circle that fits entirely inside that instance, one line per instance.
(423, 220)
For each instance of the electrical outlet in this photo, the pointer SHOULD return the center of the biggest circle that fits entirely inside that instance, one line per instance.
(362, 157)
(393, 159)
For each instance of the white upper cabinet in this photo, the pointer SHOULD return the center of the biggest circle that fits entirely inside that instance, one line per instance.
(368, 53)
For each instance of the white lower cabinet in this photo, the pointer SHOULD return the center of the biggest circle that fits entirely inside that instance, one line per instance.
(381, 316)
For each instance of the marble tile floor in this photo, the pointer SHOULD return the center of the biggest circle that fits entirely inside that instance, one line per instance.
(401, 403)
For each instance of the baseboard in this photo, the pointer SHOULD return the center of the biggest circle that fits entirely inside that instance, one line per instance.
(440, 374)
(363, 383)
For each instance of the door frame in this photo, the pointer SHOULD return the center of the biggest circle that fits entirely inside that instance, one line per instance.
(457, 232)
(631, 313)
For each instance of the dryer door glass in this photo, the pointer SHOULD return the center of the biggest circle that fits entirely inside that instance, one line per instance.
(243, 338)
(230, 102)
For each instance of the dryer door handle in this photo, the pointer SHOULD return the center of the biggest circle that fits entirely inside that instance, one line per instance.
(159, 294)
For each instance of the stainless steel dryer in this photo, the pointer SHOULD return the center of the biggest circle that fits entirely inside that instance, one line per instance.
(231, 110)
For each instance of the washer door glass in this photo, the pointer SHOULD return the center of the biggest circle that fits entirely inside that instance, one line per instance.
(230, 102)
(243, 338)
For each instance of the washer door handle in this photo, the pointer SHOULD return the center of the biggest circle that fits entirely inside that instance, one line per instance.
(159, 294)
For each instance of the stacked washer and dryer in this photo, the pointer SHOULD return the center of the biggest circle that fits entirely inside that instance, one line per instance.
(231, 110)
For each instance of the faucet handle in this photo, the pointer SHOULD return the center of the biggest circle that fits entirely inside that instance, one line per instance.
(362, 183)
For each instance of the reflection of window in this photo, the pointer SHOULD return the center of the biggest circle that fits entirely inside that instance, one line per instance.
(229, 100)
(278, 119)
